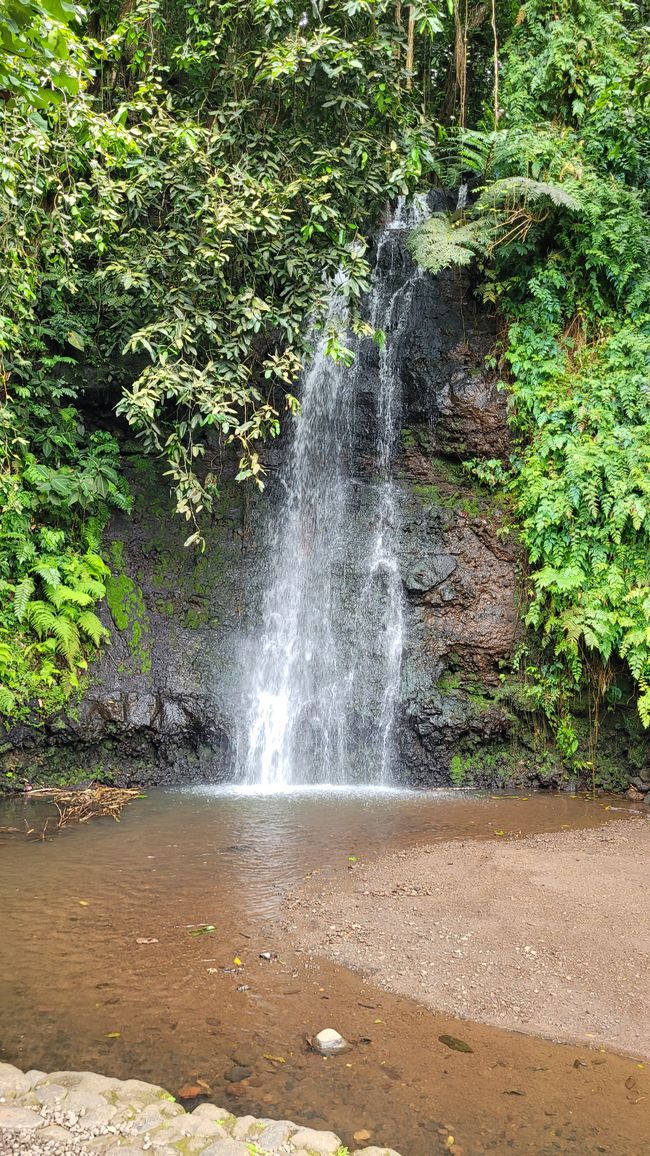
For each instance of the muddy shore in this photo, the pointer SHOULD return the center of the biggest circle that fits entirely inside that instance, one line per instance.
(547, 935)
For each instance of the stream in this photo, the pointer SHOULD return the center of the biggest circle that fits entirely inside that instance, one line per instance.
(107, 963)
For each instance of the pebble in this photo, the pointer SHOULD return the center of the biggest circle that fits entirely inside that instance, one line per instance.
(85, 1114)
(329, 1042)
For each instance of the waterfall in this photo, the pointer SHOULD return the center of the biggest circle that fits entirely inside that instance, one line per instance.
(325, 677)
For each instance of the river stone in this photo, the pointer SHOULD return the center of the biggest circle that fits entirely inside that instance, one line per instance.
(56, 1134)
(237, 1074)
(34, 1076)
(324, 1143)
(12, 1081)
(212, 1112)
(275, 1134)
(226, 1148)
(243, 1127)
(19, 1119)
(50, 1093)
(374, 1151)
(138, 1090)
(83, 1099)
(129, 1150)
(98, 1117)
(245, 1055)
(329, 1042)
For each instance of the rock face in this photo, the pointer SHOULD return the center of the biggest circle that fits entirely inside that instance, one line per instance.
(163, 704)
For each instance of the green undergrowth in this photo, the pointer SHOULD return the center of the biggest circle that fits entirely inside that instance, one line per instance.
(531, 754)
(559, 236)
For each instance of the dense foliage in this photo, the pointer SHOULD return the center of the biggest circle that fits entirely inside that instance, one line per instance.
(179, 179)
(170, 213)
(561, 234)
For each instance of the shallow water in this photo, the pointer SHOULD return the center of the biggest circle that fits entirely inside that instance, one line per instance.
(78, 991)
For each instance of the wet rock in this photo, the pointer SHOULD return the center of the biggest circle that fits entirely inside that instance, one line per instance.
(237, 1074)
(330, 1042)
(323, 1143)
(374, 1151)
(430, 573)
(455, 1044)
(245, 1055)
(275, 1135)
(641, 785)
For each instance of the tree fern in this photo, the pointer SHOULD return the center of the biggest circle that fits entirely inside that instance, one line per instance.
(512, 191)
(441, 242)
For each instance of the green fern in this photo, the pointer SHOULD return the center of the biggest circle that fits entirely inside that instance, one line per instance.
(23, 593)
(441, 242)
(90, 625)
(513, 191)
(61, 595)
(7, 701)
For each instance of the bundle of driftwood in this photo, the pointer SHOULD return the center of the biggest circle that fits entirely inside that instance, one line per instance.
(78, 807)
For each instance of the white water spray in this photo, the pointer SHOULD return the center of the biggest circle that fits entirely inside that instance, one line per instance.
(324, 693)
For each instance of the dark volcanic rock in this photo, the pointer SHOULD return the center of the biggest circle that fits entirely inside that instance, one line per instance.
(164, 703)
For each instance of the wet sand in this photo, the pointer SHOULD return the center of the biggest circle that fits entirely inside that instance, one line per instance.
(547, 934)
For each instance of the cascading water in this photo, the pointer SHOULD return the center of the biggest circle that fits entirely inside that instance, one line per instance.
(326, 678)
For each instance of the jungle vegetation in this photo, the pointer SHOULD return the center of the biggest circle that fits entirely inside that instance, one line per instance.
(178, 179)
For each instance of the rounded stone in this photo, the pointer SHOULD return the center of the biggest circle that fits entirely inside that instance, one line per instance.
(237, 1074)
(226, 1148)
(275, 1135)
(12, 1081)
(375, 1151)
(324, 1143)
(16, 1119)
(329, 1042)
(57, 1134)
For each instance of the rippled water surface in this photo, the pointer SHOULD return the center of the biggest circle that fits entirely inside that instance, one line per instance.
(78, 990)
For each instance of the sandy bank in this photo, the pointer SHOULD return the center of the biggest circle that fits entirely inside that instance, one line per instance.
(548, 935)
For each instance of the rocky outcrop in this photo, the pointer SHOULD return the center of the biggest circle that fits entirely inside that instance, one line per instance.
(164, 702)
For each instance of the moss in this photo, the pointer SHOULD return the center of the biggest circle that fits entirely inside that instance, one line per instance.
(126, 604)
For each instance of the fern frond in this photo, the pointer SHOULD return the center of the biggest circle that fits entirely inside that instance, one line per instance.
(49, 574)
(95, 565)
(7, 701)
(90, 625)
(24, 591)
(41, 617)
(68, 643)
(68, 594)
(520, 190)
(440, 242)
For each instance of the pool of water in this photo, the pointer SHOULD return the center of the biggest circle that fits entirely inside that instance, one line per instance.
(106, 963)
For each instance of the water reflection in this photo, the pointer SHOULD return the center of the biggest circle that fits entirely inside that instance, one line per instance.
(95, 939)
